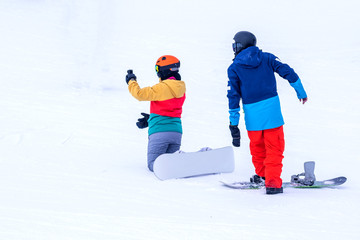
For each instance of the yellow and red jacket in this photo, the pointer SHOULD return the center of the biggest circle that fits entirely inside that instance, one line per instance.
(167, 98)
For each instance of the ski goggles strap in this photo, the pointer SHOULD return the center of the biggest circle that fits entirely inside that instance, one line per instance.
(172, 67)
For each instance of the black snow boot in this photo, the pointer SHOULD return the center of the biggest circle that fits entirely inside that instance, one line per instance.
(270, 190)
(257, 179)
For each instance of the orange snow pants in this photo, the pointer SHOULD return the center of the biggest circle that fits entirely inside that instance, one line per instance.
(267, 148)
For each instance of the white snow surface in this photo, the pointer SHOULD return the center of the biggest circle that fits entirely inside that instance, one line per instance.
(73, 162)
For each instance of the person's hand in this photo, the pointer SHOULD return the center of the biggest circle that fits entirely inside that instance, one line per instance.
(130, 76)
(143, 122)
(235, 133)
(303, 100)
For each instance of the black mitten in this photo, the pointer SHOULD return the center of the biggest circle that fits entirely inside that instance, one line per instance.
(130, 75)
(143, 122)
(235, 133)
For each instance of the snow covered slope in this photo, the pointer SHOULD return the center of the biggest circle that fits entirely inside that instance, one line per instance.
(73, 162)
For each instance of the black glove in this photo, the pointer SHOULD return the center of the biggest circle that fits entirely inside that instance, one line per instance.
(143, 122)
(130, 75)
(235, 133)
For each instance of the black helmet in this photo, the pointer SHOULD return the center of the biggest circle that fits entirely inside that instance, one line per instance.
(243, 40)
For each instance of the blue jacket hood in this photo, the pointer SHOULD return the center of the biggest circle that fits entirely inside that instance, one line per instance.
(250, 57)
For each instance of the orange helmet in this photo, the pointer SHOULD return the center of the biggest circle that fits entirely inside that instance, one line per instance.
(167, 63)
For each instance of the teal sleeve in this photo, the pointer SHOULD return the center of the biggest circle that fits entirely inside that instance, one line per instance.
(234, 116)
(300, 91)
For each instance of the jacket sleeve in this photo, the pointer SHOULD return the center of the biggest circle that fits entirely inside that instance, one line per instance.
(284, 70)
(154, 93)
(234, 96)
(299, 89)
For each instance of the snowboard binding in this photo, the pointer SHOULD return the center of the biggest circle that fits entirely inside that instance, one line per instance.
(307, 178)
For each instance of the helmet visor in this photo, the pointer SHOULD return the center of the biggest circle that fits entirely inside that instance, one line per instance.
(237, 47)
(234, 47)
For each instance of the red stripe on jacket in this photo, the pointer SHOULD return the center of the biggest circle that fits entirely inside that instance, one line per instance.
(169, 108)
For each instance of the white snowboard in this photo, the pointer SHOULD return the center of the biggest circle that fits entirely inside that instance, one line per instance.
(191, 164)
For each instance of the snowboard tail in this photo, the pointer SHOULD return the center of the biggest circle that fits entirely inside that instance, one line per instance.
(192, 164)
(319, 184)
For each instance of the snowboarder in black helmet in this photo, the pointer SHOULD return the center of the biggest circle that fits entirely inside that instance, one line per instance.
(252, 81)
(243, 40)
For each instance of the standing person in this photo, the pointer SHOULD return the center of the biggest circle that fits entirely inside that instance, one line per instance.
(166, 101)
(252, 79)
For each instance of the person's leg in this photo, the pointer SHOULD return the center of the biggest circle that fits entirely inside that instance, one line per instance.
(275, 145)
(160, 143)
(258, 152)
(157, 145)
(174, 141)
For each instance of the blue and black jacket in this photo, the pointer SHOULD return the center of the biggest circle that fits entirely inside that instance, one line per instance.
(252, 79)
